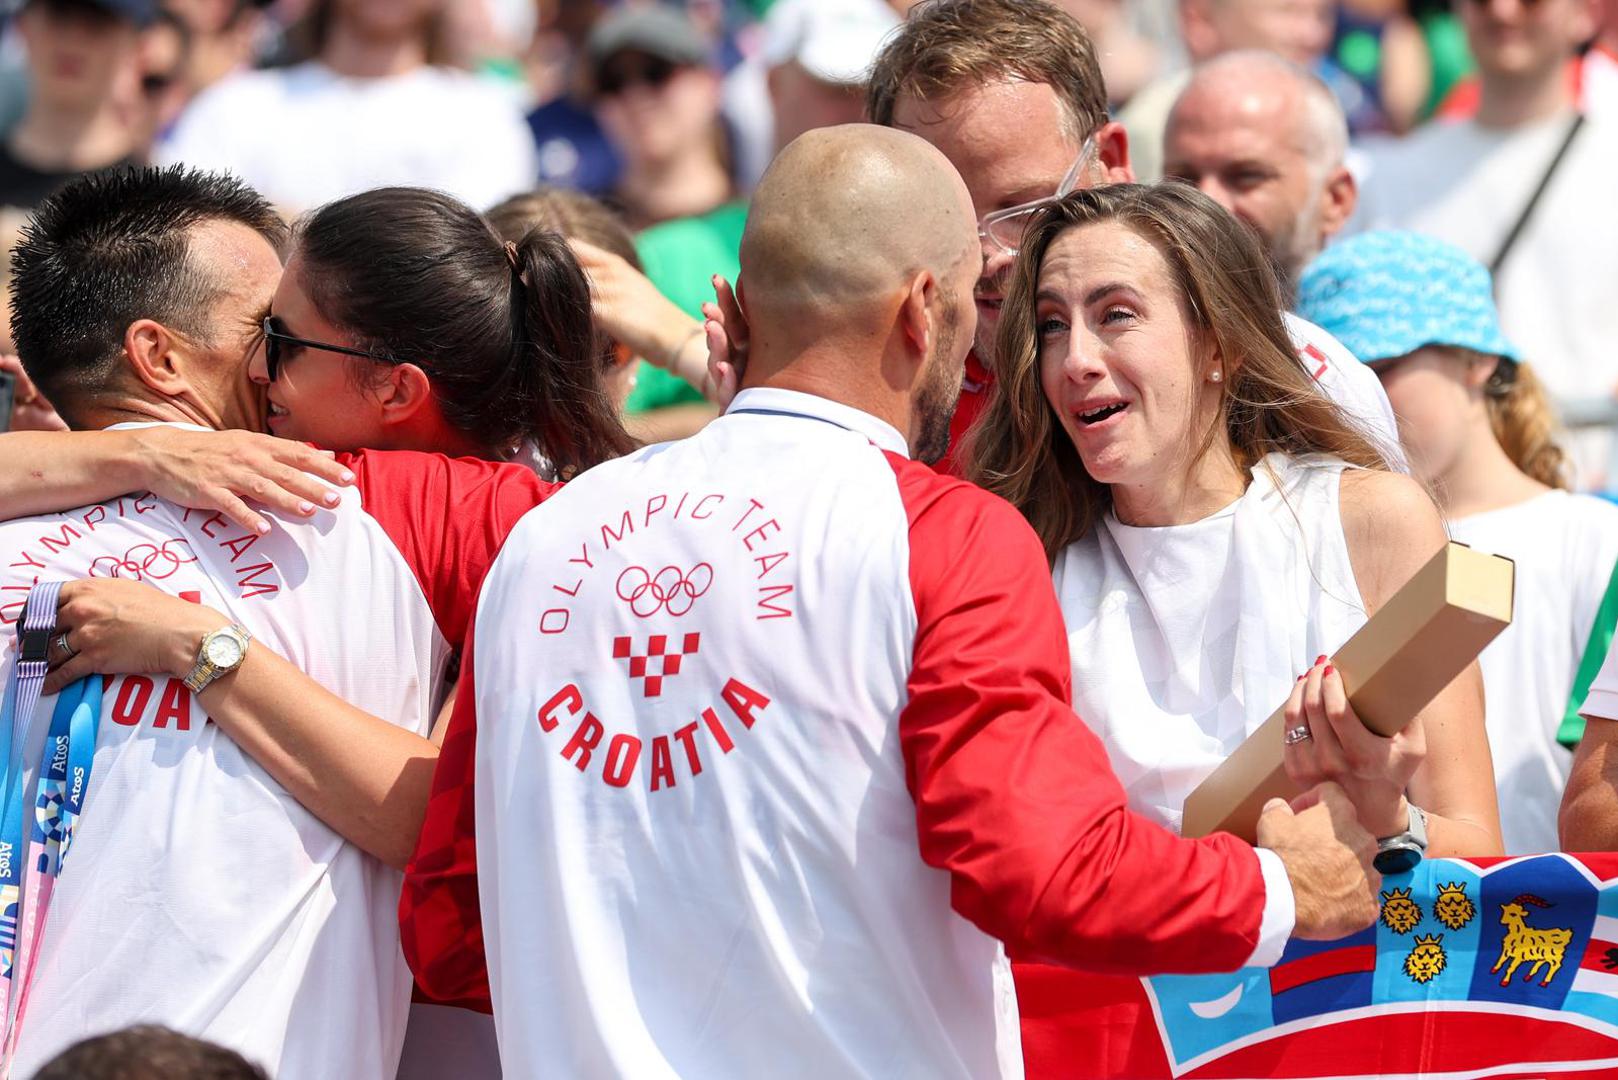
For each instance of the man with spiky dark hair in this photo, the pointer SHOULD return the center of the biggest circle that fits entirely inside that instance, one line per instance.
(88, 292)
(201, 894)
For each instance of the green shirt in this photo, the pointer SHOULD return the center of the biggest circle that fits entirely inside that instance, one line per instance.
(1595, 654)
(681, 257)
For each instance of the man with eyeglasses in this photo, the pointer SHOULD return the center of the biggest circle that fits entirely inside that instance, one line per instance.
(1010, 91)
(80, 54)
(1526, 187)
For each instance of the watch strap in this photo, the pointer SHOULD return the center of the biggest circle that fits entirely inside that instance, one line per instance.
(201, 675)
(1402, 851)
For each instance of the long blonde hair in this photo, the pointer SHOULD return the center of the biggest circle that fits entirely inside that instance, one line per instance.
(1524, 422)
(1233, 302)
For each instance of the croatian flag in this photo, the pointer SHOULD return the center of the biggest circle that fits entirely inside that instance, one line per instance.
(1475, 968)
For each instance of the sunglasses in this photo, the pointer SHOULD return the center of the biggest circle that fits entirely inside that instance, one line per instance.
(653, 72)
(276, 342)
(157, 83)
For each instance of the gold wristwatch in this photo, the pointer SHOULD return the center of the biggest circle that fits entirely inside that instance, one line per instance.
(220, 653)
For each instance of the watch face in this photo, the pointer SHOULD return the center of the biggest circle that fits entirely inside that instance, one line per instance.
(224, 651)
(1397, 860)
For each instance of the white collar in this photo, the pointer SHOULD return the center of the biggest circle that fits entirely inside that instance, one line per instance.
(771, 399)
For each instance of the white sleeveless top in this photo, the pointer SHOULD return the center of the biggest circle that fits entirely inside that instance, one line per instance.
(1185, 638)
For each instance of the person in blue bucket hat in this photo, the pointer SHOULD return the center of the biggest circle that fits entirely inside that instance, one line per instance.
(1480, 432)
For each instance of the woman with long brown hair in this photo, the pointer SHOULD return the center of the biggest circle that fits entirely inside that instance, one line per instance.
(1216, 525)
(1482, 434)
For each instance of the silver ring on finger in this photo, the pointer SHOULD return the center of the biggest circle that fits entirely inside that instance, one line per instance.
(1299, 734)
(62, 643)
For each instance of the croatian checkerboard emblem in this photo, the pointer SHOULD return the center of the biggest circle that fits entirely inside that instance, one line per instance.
(658, 662)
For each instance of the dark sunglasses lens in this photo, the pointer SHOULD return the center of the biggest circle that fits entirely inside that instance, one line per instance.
(654, 72)
(658, 72)
(272, 351)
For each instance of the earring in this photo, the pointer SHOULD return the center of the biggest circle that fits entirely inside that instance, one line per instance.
(1216, 376)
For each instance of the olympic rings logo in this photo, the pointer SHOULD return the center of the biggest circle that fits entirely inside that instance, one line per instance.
(145, 562)
(670, 589)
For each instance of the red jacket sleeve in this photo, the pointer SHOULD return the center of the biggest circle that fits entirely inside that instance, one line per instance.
(448, 517)
(440, 919)
(1014, 795)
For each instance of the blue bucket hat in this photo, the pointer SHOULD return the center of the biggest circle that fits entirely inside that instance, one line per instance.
(1387, 294)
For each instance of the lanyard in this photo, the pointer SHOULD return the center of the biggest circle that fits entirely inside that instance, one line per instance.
(22, 694)
(63, 784)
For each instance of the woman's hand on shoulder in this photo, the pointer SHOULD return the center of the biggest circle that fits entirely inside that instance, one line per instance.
(1392, 527)
(225, 470)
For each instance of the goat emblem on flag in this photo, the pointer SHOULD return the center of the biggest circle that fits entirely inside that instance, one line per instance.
(1521, 949)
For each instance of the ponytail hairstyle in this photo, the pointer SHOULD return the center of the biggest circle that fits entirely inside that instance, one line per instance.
(574, 216)
(1523, 420)
(503, 330)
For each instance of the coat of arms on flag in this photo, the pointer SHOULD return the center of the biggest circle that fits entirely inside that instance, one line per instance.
(1486, 968)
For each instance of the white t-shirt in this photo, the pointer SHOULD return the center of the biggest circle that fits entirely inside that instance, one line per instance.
(305, 135)
(1184, 639)
(1467, 184)
(200, 895)
(1564, 547)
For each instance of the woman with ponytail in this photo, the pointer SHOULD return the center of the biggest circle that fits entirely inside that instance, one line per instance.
(404, 322)
(1481, 434)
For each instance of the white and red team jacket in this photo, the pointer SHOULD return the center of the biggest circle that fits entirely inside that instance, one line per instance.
(762, 751)
(199, 894)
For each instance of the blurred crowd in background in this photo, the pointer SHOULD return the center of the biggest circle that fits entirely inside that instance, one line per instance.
(1461, 118)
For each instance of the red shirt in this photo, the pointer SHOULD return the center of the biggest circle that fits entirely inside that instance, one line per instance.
(975, 386)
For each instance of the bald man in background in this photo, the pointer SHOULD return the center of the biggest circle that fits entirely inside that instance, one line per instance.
(1299, 30)
(1266, 140)
(763, 757)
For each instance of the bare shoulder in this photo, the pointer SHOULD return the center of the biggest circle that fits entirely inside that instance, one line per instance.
(1381, 500)
(1392, 528)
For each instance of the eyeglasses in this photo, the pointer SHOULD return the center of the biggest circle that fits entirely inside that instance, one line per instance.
(1005, 228)
(275, 341)
(652, 72)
